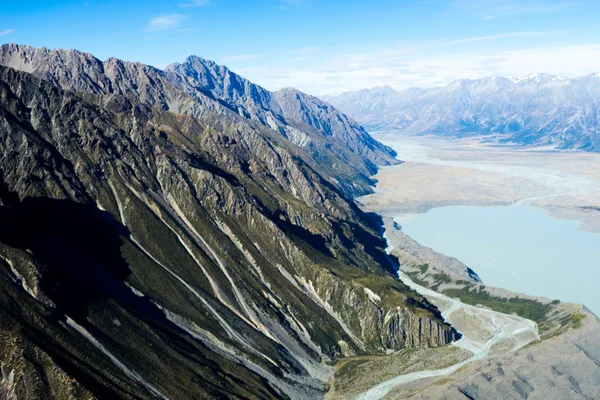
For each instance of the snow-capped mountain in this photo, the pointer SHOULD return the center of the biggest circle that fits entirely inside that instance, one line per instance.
(535, 109)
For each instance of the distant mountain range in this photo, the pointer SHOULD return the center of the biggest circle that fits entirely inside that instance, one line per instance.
(538, 109)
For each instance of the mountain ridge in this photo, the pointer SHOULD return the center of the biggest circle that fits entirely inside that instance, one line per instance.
(192, 88)
(538, 109)
(217, 242)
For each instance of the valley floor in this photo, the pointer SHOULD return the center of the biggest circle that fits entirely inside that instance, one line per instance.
(485, 333)
(501, 355)
(441, 172)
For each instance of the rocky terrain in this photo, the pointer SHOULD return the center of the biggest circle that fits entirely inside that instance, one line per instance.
(513, 346)
(563, 362)
(185, 233)
(539, 109)
(538, 371)
(203, 89)
(173, 234)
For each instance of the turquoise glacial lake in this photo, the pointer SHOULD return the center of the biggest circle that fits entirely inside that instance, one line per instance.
(517, 248)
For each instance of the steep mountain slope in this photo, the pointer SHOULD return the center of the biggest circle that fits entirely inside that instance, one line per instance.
(538, 109)
(303, 119)
(199, 86)
(147, 253)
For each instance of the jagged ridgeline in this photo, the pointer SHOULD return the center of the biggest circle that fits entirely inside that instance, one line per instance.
(185, 234)
(539, 109)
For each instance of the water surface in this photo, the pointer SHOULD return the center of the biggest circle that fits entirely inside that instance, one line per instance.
(518, 248)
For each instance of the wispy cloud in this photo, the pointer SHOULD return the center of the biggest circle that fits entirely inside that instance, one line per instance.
(402, 69)
(196, 3)
(494, 37)
(412, 47)
(488, 17)
(6, 32)
(239, 57)
(510, 7)
(165, 22)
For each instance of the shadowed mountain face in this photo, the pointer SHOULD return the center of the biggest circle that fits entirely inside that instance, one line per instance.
(539, 109)
(156, 244)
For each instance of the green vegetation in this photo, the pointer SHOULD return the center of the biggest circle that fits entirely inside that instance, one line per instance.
(576, 320)
(417, 270)
(433, 281)
(423, 267)
(419, 281)
(439, 279)
(530, 309)
(394, 294)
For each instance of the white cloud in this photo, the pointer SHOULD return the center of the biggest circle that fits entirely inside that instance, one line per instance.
(196, 3)
(402, 69)
(239, 57)
(165, 22)
(488, 17)
(510, 7)
(6, 32)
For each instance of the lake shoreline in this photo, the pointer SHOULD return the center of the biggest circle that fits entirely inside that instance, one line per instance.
(559, 191)
(519, 248)
(566, 326)
(438, 172)
(506, 334)
(504, 361)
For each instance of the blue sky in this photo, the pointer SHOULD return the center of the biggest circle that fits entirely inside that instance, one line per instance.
(325, 46)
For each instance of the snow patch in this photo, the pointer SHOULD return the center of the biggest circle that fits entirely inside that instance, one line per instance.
(372, 296)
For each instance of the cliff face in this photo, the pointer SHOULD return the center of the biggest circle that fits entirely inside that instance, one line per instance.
(149, 253)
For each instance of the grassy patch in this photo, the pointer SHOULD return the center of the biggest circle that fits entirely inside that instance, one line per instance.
(418, 281)
(394, 294)
(576, 320)
(422, 267)
(433, 281)
(526, 308)
(439, 279)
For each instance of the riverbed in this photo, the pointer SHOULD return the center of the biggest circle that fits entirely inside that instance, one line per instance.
(510, 330)
(440, 172)
(527, 220)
